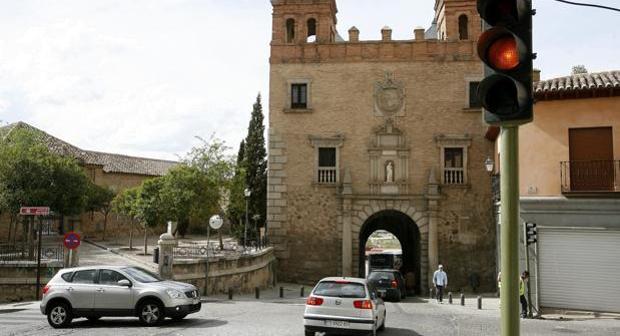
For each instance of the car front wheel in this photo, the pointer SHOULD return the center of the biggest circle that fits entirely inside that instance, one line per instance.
(59, 315)
(151, 313)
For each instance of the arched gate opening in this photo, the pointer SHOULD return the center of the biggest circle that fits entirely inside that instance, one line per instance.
(405, 230)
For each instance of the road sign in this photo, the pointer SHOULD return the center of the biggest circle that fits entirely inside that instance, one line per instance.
(34, 211)
(72, 240)
(216, 222)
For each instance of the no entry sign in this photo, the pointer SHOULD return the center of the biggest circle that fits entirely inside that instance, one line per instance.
(72, 240)
(34, 211)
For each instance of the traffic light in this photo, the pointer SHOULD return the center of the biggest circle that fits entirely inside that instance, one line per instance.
(506, 49)
(530, 233)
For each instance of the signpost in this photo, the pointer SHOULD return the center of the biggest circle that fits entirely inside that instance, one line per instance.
(71, 241)
(37, 211)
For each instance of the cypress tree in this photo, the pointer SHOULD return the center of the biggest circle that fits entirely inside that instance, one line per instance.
(255, 164)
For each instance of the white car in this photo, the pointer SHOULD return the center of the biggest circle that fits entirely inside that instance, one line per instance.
(344, 306)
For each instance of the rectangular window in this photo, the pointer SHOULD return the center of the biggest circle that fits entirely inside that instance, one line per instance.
(85, 277)
(454, 172)
(474, 102)
(299, 96)
(327, 170)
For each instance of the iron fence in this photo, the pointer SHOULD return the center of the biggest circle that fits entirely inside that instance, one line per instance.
(11, 253)
(590, 176)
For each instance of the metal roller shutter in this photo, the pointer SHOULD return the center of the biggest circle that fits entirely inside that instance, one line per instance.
(579, 269)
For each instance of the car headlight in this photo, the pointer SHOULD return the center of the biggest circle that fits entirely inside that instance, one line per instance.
(175, 294)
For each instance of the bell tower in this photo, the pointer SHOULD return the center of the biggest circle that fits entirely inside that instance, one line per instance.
(303, 21)
(457, 20)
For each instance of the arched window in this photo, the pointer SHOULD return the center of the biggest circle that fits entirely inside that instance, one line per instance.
(290, 31)
(311, 25)
(463, 27)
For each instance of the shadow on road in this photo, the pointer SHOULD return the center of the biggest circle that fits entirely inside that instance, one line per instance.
(135, 323)
(399, 332)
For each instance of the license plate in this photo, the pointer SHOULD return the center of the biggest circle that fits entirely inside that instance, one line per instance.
(336, 324)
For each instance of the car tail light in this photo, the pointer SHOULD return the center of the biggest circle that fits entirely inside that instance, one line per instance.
(46, 289)
(314, 301)
(394, 284)
(362, 304)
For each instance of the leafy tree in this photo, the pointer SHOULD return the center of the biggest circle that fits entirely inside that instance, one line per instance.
(125, 204)
(100, 200)
(148, 206)
(31, 175)
(255, 163)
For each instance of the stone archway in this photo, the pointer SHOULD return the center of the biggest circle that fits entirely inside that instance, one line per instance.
(407, 232)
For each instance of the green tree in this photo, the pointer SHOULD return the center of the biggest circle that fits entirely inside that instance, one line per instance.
(125, 204)
(148, 206)
(31, 175)
(100, 200)
(255, 163)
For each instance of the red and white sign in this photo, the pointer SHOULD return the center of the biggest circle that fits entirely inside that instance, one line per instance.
(34, 211)
(72, 240)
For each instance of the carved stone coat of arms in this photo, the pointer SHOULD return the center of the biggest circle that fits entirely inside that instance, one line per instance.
(389, 97)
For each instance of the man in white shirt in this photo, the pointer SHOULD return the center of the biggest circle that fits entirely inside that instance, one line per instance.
(440, 280)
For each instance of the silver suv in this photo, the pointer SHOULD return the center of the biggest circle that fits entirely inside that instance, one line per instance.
(93, 292)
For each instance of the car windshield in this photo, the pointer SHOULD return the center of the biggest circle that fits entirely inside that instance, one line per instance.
(381, 276)
(340, 289)
(142, 275)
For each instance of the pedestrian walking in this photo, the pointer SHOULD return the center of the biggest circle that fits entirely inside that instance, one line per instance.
(524, 277)
(440, 280)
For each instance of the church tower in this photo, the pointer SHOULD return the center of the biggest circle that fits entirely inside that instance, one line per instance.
(457, 20)
(303, 21)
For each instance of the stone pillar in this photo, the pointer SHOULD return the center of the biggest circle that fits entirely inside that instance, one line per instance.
(347, 236)
(166, 244)
(386, 34)
(433, 207)
(419, 34)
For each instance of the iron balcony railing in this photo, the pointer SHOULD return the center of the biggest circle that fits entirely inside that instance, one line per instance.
(590, 176)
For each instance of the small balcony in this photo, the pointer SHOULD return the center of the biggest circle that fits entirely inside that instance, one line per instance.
(590, 178)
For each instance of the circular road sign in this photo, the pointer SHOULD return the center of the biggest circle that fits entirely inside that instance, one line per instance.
(216, 222)
(72, 240)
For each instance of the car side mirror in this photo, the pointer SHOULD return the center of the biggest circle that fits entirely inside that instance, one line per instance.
(124, 283)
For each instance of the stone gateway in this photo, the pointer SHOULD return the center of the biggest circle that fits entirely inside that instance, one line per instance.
(378, 135)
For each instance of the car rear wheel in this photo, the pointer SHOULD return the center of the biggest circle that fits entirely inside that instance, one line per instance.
(151, 313)
(59, 315)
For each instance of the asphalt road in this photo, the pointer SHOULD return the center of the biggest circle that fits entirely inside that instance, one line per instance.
(281, 317)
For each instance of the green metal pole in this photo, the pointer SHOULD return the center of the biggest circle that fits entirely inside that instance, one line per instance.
(509, 165)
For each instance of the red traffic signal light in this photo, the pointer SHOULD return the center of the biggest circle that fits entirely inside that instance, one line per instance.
(505, 48)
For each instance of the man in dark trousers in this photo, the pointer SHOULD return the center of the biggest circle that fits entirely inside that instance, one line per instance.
(524, 277)
(440, 280)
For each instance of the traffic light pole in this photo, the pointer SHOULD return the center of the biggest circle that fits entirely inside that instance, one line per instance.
(509, 219)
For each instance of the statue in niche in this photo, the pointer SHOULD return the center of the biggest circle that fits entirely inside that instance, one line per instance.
(389, 172)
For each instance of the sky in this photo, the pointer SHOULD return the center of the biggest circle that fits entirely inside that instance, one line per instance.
(145, 77)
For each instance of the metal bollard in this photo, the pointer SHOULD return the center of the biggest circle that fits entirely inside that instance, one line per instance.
(479, 302)
(301, 293)
(430, 293)
(230, 293)
(462, 299)
(281, 292)
(450, 297)
(257, 292)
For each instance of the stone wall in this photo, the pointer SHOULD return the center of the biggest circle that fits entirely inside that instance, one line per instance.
(241, 273)
(18, 279)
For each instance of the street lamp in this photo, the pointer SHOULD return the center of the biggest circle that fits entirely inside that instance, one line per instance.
(256, 218)
(489, 164)
(247, 192)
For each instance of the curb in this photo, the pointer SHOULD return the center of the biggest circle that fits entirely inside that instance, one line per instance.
(116, 252)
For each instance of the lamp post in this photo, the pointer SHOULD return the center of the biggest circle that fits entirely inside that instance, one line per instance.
(256, 218)
(489, 165)
(247, 192)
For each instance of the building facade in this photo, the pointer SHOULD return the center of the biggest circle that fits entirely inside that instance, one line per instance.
(569, 187)
(378, 135)
(115, 171)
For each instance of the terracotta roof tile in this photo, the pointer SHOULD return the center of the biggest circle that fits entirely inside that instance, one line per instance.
(110, 163)
(579, 85)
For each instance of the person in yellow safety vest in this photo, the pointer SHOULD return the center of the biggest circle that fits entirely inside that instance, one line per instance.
(524, 277)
